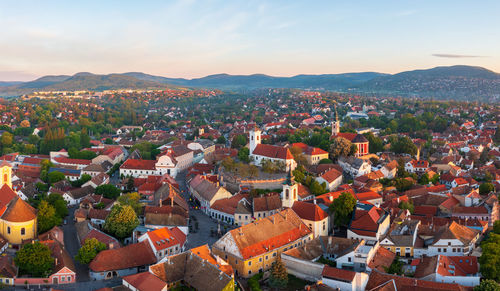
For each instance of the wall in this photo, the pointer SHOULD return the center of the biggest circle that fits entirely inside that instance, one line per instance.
(15, 236)
(303, 269)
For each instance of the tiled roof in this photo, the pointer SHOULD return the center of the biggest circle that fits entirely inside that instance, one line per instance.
(447, 266)
(378, 280)
(6, 196)
(309, 211)
(65, 160)
(133, 164)
(382, 259)
(269, 233)
(19, 211)
(272, 151)
(145, 281)
(131, 256)
(162, 238)
(368, 196)
(456, 231)
(338, 274)
(331, 175)
(271, 201)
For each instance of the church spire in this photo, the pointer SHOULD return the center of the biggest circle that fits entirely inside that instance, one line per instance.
(336, 123)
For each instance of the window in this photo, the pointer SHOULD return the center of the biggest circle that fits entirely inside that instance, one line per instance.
(349, 259)
(439, 250)
(250, 263)
(274, 254)
(250, 272)
(8, 229)
(62, 278)
(69, 278)
(449, 243)
(444, 250)
(266, 257)
(260, 259)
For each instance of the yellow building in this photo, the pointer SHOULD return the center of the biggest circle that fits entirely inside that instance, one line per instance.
(17, 218)
(254, 247)
(401, 238)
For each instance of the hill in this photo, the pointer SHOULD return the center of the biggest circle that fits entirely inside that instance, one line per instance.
(455, 82)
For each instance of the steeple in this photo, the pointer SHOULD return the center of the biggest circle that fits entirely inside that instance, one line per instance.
(336, 123)
(290, 179)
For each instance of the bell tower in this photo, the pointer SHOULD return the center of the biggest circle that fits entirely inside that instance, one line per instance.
(254, 139)
(5, 174)
(336, 123)
(290, 191)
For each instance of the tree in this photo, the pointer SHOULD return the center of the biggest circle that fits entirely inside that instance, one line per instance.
(47, 217)
(89, 250)
(253, 171)
(221, 140)
(279, 275)
(34, 259)
(396, 267)
(407, 205)
(130, 184)
(375, 143)
(243, 155)
(6, 139)
(25, 123)
(403, 145)
(108, 191)
(487, 285)
(239, 141)
(340, 147)
(343, 207)
(488, 261)
(56, 176)
(496, 227)
(131, 199)
(325, 161)
(228, 164)
(59, 204)
(121, 221)
(486, 188)
(298, 156)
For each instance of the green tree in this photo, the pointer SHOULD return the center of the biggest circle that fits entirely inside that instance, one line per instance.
(340, 147)
(243, 155)
(108, 191)
(396, 267)
(403, 145)
(89, 250)
(407, 205)
(239, 141)
(342, 207)
(279, 275)
(228, 164)
(325, 161)
(490, 257)
(6, 139)
(131, 199)
(56, 176)
(34, 259)
(375, 143)
(59, 204)
(486, 188)
(47, 217)
(221, 140)
(487, 285)
(130, 184)
(121, 221)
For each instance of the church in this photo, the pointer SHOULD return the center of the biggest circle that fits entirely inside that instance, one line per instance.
(261, 152)
(357, 139)
(18, 220)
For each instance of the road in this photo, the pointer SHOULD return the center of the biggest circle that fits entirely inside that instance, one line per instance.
(72, 245)
(205, 223)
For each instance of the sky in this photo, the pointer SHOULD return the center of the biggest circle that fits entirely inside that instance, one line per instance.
(193, 39)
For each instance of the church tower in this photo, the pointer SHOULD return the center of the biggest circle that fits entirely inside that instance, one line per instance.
(336, 123)
(254, 139)
(290, 191)
(5, 174)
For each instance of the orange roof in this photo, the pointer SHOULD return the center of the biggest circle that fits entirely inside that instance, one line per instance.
(19, 211)
(309, 211)
(272, 151)
(6, 195)
(162, 238)
(145, 281)
(205, 253)
(331, 175)
(338, 274)
(368, 196)
(130, 256)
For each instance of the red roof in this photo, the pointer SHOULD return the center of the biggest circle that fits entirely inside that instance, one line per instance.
(309, 211)
(331, 175)
(145, 281)
(272, 151)
(338, 274)
(163, 238)
(65, 160)
(131, 256)
(368, 196)
(139, 164)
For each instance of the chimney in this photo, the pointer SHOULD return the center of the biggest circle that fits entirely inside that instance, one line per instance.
(56, 262)
(330, 240)
(314, 201)
(331, 198)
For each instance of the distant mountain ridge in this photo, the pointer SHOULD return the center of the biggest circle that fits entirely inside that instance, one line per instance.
(455, 82)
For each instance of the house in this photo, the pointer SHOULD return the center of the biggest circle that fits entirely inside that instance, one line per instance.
(144, 281)
(417, 166)
(332, 178)
(463, 270)
(266, 205)
(64, 271)
(402, 238)
(165, 242)
(343, 280)
(369, 222)
(260, 152)
(390, 169)
(313, 216)
(75, 196)
(206, 192)
(253, 248)
(459, 182)
(85, 231)
(175, 159)
(98, 180)
(166, 215)
(370, 197)
(450, 240)
(235, 210)
(8, 270)
(121, 262)
(138, 168)
(312, 155)
(198, 268)
(355, 166)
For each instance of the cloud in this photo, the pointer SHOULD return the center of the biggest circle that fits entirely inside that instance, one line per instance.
(454, 56)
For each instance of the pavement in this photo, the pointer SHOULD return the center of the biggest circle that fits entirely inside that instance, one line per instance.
(205, 223)
(72, 245)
